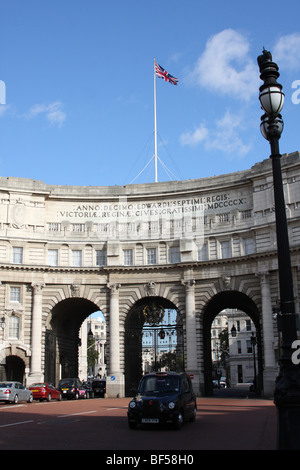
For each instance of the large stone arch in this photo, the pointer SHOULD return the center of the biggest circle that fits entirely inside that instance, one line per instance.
(62, 337)
(54, 294)
(133, 326)
(219, 302)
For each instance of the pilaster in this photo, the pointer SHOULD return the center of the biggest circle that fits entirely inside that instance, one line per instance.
(36, 374)
(270, 369)
(115, 379)
(191, 336)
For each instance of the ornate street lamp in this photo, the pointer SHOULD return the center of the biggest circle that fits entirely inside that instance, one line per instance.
(287, 389)
(233, 331)
(2, 322)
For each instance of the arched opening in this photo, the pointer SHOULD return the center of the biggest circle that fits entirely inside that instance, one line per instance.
(153, 339)
(228, 300)
(62, 341)
(14, 369)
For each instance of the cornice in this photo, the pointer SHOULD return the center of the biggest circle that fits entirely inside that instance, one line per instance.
(105, 270)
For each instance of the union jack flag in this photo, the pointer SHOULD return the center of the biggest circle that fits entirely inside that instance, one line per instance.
(162, 73)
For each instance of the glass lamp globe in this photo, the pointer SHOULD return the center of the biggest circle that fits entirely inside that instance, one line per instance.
(272, 99)
(271, 127)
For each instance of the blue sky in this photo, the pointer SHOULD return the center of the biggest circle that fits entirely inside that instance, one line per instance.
(79, 87)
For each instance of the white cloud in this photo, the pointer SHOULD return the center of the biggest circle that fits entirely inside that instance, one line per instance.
(4, 109)
(194, 138)
(52, 111)
(225, 66)
(226, 138)
(223, 137)
(287, 51)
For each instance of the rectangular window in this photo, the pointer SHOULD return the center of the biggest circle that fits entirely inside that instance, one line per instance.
(246, 214)
(128, 257)
(249, 346)
(248, 325)
(203, 252)
(174, 254)
(225, 249)
(13, 328)
(77, 258)
(15, 294)
(78, 227)
(103, 228)
(249, 246)
(151, 255)
(239, 347)
(100, 257)
(17, 255)
(53, 257)
(224, 217)
(54, 227)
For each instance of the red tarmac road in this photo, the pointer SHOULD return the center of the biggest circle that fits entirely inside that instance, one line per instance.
(101, 424)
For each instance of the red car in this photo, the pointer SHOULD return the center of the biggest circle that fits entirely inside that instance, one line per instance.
(45, 391)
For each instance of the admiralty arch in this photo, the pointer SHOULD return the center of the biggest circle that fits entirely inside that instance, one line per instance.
(196, 246)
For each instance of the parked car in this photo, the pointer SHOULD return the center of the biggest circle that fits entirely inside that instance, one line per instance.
(99, 387)
(14, 392)
(163, 398)
(72, 388)
(221, 383)
(45, 391)
(89, 390)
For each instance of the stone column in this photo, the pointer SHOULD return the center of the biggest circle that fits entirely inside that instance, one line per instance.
(191, 337)
(115, 379)
(270, 370)
(35, 374)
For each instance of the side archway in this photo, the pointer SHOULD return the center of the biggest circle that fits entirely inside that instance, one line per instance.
(15, 362)
(62, 338)
(221, 301)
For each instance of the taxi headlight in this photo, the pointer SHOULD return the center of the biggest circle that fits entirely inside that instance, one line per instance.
(132, 404)
(171, 405)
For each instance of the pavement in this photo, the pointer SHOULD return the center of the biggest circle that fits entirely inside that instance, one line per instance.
(236, 419)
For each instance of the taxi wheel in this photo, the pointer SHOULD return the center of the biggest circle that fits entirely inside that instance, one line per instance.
(193, 417)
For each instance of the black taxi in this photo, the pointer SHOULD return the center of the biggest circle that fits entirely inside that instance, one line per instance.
(163, 398)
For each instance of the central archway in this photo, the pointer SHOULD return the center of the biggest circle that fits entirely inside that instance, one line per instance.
(148, 313)
(222, 301)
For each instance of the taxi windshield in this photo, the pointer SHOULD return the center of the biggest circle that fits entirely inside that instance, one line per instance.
(159, 385)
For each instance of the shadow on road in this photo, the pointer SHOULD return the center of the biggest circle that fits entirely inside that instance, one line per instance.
(238, 391)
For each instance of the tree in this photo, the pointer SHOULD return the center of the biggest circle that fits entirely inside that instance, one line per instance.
(92, 355)
(224, 346)
(171, 361)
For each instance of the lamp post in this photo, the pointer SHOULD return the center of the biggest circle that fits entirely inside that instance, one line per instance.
(253, 344)
(287, 388)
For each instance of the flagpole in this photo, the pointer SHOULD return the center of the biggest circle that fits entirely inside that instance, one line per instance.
(155, 126)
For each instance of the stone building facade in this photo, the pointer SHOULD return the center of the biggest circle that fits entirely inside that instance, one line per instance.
(197, 246)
